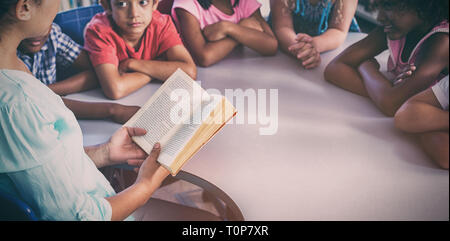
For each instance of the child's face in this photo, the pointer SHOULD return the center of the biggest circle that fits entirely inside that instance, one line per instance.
(131, 16)
(33, 45)
(398, 23)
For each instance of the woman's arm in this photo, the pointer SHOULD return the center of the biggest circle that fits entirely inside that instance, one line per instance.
(343, 70)
(390, 98)
(177, 57)
(205, 53)
(263, 42)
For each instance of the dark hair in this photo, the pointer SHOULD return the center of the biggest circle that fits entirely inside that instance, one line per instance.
(206, 4)
(433, 11)
(5, 6)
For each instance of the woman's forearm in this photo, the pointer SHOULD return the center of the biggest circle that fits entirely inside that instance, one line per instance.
(98, 154)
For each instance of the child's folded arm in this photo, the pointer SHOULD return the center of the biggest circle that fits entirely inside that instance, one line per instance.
(77, 83)
(422, 113)
(341, 19)
(205, 53)
(177, 57)
(116, 85)
(264, 42)
(343, 70)
(389, 98)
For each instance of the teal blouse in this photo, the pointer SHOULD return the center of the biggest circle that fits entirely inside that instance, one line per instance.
(42, 158)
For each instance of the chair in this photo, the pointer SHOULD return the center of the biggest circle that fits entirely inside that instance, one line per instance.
(14, 209)
(73, 22)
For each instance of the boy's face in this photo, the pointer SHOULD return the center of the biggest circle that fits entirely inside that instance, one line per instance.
(33, 45)
(131, 16)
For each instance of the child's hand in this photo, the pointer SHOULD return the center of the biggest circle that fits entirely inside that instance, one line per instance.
(406, 73)
(217, 31)
(125, 66)
(305, 51)
(251, 23)
(122, 113)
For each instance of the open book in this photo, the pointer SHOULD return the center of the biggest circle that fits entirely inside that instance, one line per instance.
(182, 117)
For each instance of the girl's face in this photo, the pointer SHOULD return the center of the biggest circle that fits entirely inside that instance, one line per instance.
(132, 16)
(398, 23)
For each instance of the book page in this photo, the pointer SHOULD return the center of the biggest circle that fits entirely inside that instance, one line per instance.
(185, 132)
(155, 116)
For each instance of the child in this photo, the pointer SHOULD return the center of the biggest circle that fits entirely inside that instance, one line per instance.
(427, 116)
(416, 34)
(131, 43)
(212, 29)
(306, 28)
(54, 53)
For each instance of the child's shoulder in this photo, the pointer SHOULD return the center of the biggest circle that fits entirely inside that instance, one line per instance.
(160, 20)
(100, 23)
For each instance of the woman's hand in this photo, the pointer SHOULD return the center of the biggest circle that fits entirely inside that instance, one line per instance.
(122, 149)
(149, 170)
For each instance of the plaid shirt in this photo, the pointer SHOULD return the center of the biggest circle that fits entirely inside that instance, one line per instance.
(58, 53)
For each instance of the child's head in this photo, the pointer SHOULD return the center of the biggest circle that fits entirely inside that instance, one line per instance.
(399, 17)
(33, 17)
(130, 16)
(206, 4)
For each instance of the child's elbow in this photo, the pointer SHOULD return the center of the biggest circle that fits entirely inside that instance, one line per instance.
(204, 60)
(330, 72)
(191, 70)
(401, 119)
(272, 48)
(114, 92)
(388, 107)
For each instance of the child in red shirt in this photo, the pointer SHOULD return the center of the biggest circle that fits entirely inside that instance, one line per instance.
(132, 43)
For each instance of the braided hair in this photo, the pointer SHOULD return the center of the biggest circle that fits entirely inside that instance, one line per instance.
(206, 4)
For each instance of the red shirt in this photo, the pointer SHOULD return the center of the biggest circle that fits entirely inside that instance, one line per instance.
(105, 46)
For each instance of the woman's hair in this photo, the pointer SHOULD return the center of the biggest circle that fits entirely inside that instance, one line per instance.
(5, 20)
(5, 6)
(291, 5)
(433, 11)
(206, 4)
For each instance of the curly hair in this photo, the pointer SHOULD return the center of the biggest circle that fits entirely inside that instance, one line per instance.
(206, 4)
(433, 11)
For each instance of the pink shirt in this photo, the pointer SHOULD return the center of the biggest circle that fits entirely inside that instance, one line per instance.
(105, 46)
(243, 10)
(395, 62)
